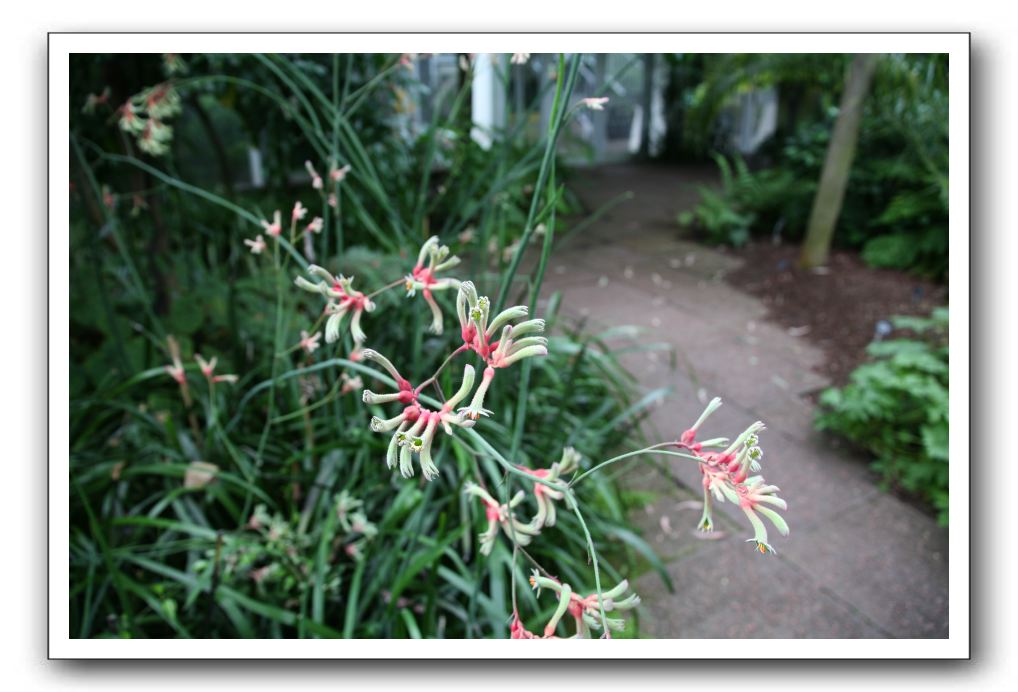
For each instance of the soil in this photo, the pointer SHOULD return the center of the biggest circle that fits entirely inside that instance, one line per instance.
(839, 308)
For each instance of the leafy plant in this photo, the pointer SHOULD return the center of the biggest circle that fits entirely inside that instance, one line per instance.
(729, 215)
(896, 408)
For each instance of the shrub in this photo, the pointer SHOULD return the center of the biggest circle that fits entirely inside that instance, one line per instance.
(896, 408)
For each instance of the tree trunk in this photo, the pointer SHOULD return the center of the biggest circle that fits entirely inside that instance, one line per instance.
(834, 178)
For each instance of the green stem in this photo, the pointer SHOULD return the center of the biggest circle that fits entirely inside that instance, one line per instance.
(277, 343)
(571, 502)
(333, 161)
(562, 94)
(276, 70)
(523, 397)
(113, 225)
(653, 449)
(361, 92)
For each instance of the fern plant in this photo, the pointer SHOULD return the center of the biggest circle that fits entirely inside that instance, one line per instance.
(748, 201)
(896, 408)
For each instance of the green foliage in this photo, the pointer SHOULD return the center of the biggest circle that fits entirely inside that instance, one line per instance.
(808, 83)
(896, 206)
(728, 216)
(198, 550)
(258, 544)
(896, 408)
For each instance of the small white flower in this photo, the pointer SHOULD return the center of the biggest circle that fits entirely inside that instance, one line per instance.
(309, 342)
(338, 174)
(208, 370)
(316, 180)
(274, 228)
(256, 245)
(595, 103)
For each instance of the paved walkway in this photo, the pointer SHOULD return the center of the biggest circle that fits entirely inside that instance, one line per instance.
(858, 562)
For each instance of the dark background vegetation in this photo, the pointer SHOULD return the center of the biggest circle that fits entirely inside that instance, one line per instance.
(895, 209)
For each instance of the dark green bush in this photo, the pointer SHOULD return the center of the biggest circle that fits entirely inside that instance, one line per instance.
(896, 408)
(728, 216)
(895, 210)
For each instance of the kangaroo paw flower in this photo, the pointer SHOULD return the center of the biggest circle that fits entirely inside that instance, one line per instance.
(342, 300)
(432, 259)
(725, 476)
(585, 610)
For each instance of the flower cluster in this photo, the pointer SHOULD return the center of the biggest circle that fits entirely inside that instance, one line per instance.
(416, 425)
(725, 475)
(414, 429)
(144, 115)
(585, 610)
(356, 528)
(336, 174)
(342, 300)
(515, 343)
(173, 64)
(309, 342)
(176, 370)
(500, 340)
(500, 514)
(283, 556)
(594, 103)
(93, 101)
(545, 495)
(257, 245)
(274, 229)
(179, 375)
(424, 277)
(208, 368)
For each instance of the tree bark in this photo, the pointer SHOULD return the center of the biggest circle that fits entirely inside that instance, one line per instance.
(838, 164)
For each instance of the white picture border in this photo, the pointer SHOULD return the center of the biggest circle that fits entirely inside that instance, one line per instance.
(61, 645)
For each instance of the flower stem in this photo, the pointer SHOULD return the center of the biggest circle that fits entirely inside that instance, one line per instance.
(425, 383)
(571, 503)
(563, 92)
(653, 449)
(383, 289)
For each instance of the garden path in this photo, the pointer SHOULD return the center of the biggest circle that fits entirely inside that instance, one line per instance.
(859, 562)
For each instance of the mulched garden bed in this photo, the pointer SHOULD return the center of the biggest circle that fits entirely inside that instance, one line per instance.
(840, 308)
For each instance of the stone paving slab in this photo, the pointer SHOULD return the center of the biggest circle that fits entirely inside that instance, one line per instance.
(724, 590)
(886, 558)
(749, 373)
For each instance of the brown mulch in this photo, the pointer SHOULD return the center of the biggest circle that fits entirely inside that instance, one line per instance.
(838, 310)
